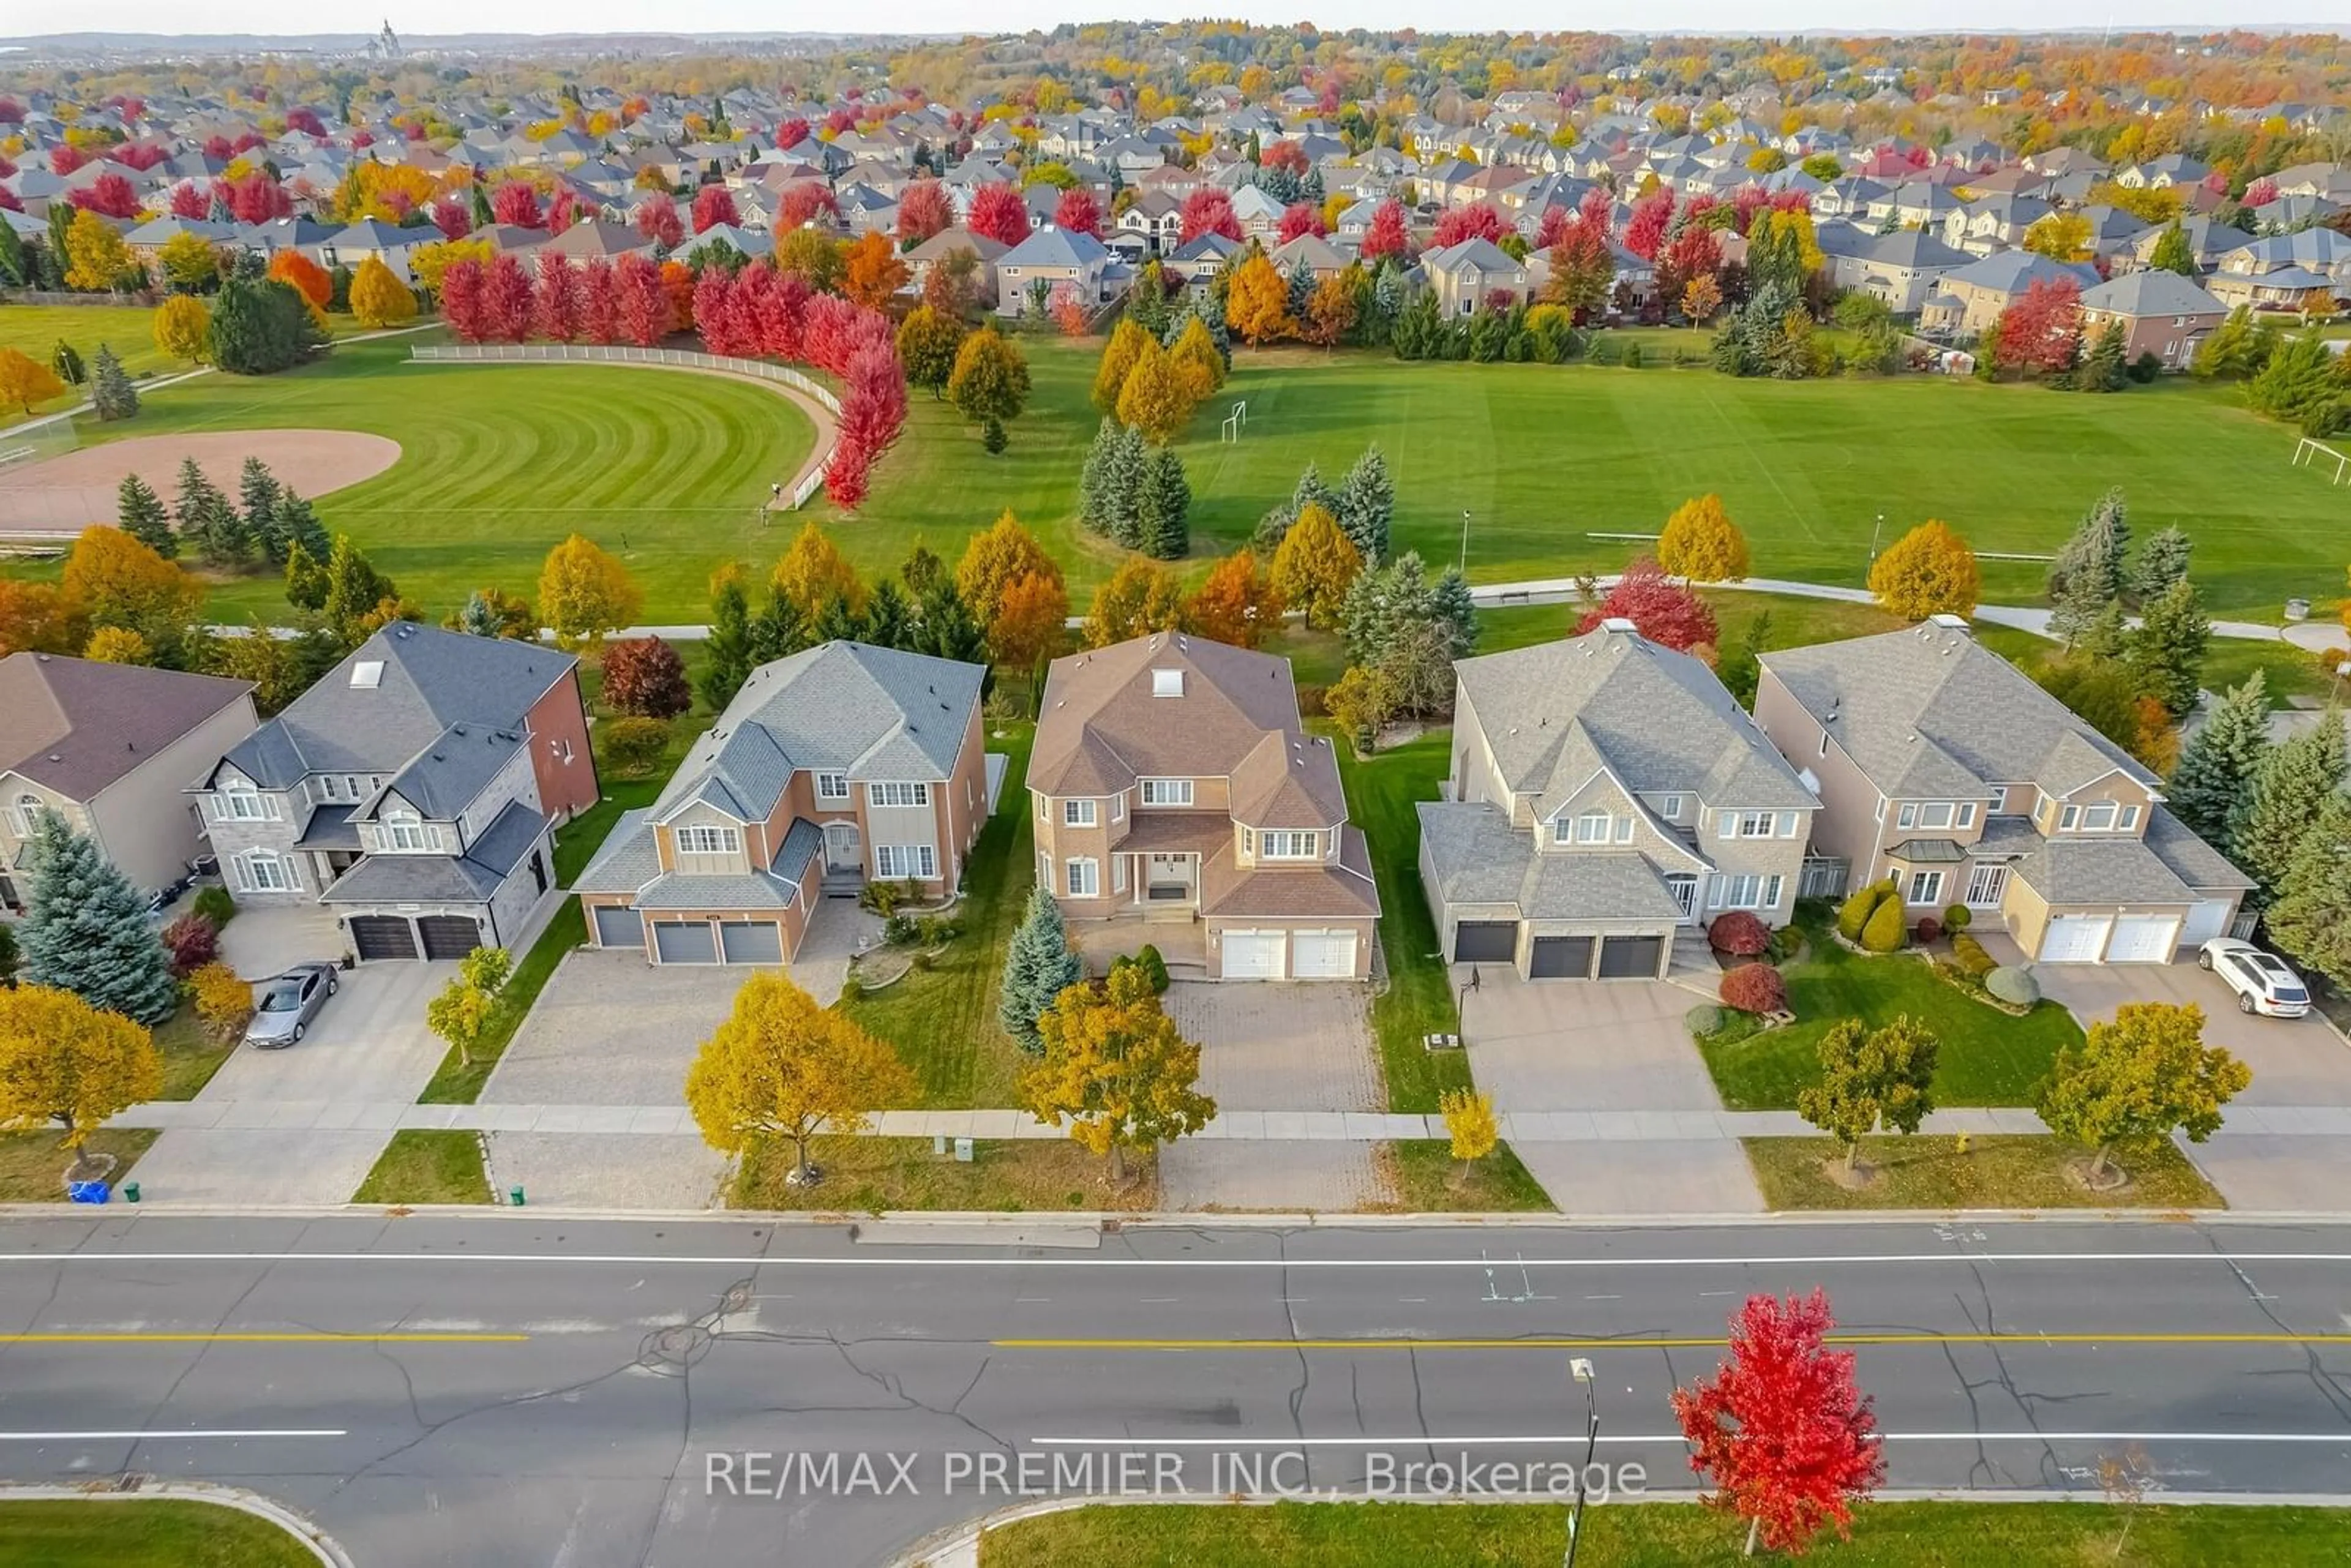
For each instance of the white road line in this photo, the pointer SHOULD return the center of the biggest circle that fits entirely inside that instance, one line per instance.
(165, 1434)
(1097, 1260)
(1416, 1440)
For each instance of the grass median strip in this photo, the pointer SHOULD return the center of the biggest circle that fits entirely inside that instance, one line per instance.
(1998, 1171)
(428, 1164)
(1427, 1179)
(874, 1176)
(146, 1532)
(33, 1165)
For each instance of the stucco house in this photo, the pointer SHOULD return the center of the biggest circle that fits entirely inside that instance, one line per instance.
(1173, 782)
(839, 764)
(2161, 314)
(1969, 299)
(1902, 268)
(413, 791)
(108, 747)
(1940, 764)
(1606, 796)
(1464, 275)
(1053, 257)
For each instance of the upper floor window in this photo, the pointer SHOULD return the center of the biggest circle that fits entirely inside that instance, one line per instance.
(243, 803)
(897, 794)
(1592, 827)
(709, 841)
(1669, 806)
(1077, 814)
(2099, 817)
(27, 815)
(1758, 825)
(1936, 814)
(832, 785)
(405, 833)
(1166, 791)
(1284, 845)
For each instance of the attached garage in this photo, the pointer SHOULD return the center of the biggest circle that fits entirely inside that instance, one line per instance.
(2207, 920)
(375, 937)
(1631, 958)
(619, 928)
(449, 937)
(2075, 938)
(1254, 954)
(1561, 959)
(684, 942)
(1322, 955)
(1485, 941)
(2143, 939)
(751, 942)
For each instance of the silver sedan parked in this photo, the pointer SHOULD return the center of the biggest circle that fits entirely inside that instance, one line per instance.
(284, 1007)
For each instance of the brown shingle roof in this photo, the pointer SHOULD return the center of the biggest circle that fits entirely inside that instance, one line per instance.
(76, 726)
(1342, 892)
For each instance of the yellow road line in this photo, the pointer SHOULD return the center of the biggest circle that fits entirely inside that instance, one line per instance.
(261, 1338)
(1702, 1342)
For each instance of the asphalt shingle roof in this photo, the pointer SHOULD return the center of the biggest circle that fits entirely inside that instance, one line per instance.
(75, 726)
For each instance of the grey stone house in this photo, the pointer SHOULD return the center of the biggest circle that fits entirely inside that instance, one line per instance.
(413, 791)
(1606, 796)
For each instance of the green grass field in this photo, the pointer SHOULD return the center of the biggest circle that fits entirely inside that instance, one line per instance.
(1542, 455)
(35, 330)
(152, 1532)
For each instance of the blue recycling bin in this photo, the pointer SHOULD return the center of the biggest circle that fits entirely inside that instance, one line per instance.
(88, 1192)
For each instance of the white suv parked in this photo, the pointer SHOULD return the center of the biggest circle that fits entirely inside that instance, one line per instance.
(2262, 980)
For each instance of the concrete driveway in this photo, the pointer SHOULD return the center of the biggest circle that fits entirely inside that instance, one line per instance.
(2295, 1062)
(1615, 1045)
(262, 940)
(368, 1050)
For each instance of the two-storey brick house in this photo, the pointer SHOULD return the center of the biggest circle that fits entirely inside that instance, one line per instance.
(1606, 794)
(840, 764)
(1173, 782)
(413, 790)
(1941, 765)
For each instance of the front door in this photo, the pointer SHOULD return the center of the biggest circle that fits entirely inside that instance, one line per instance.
(843, 849)
(1685, 892)
(1985, 886)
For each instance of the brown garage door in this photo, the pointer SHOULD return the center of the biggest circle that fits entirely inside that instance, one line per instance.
(383, 937)
(1485, 941)
(449, 935)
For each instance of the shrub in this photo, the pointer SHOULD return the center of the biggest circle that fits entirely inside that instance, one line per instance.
(1958, 917)
(1156, 965)
(1738, 934)
(223, 1001)
(644, 677)
(1884, 933)
(194, 941)
(1309, 701)
(1755, 989)
(2014, 985)
(1855, 917)
(216, 905)
(1972, 960)
(1703, 1019)
(1927, 929)
(634, 746)
(883, 898)
(901, 931)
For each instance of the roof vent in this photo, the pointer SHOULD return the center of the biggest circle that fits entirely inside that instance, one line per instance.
(367, 674)
(1620, 623)
(1167, 683)
(1949, 623)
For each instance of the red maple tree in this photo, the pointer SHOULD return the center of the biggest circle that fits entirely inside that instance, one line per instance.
(515, 203)
(564, 211)
(803, 203)
(791, 134)
(1662, 611)
(1387, 234)
(558, 305)
(140, 155)
(714, 204)
(217, 148)
(2261, 192)
(600, 303)
(1209, 211)
(65, 158)
(874, 410)
(462, 299)
(452, 217)
(257, 199)
(2042, 330)
(1644, 231)
(1782, 1430)
(1284, 154)
(656, 219)
(645, 677)
(306, 121)
(714, 315)
(1079, 213)
(1302, 218)
(923, 211)
(1552, 226)
(1695, 252)
(1479, 220)
(998, 212)
(190, 200)
(641, 305)
(780, 308)
(507, 300)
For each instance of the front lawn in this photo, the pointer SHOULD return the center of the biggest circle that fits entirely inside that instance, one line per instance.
(1427, 1179)
(33, 1163)
(1989, 1057)
(1665, 1535)
(428, 1166)
(1997, 1171)
(191, 1055)
(1418, 1000)
(458, 1082)
(144, 1533)
(942, 1020)
(871, 1176)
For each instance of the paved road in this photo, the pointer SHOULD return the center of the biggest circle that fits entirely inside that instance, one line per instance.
(564, 1384)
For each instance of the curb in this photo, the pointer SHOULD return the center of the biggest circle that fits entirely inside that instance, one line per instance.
(958, 1546)
(150, 1488)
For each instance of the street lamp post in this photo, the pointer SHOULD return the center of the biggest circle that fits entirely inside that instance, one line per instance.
(1580, 1370)
(1875, 529)
(1465, 541)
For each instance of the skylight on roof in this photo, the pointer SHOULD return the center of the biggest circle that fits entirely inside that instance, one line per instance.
(367, 674)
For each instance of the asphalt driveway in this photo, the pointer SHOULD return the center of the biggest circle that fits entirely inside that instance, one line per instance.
(1615, 1045)
(2295, 1062)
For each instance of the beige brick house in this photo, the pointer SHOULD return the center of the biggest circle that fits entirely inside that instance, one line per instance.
(837, 765)
(1940, 764)
(1607, 795)
(1173, 782)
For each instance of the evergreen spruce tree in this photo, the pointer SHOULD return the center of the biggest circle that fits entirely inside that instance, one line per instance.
(1123, 487)
(16, 266)
(1093, 478)
(299, 524)
(2312, 918)
(947, 629)
(778, 631)
(1037, 966)
(2290, 789)
(889, 619)
(837, 623)
(1367, 506)
(2088, 574)
(1449, 602)
(2102, 369)
(259, 491)
(193, 505)
(139, 511)
(2162, 561)
(223, 541)
(86, 929)
(479, 618)
(1210, 308)
(2216, 768)
(729, 645)
(112, 395)
(1163, 507)
(1302, 288)
(2166, 651)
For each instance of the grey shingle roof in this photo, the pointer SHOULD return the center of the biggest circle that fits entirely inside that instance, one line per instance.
(1659, 720)
(2118, 870)
(473, 877)
(749, 890)
(801, 844)
(1479, 858)
(2154, 291)
(442, 780)
(77, 725)
(2189, 858)
(625, 861)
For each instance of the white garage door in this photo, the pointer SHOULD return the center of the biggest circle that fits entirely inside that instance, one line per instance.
(1322, 955)
(2143, 939)
(1253, 955)
(2206, 921)
(2075, 938)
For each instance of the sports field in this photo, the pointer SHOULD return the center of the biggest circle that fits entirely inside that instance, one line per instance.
(499, 463)
(129, 329)
(1543, 456)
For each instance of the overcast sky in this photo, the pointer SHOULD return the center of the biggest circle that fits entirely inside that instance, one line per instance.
(938, 15)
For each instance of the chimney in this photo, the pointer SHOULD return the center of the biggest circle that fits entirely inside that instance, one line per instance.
(1620, 623)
